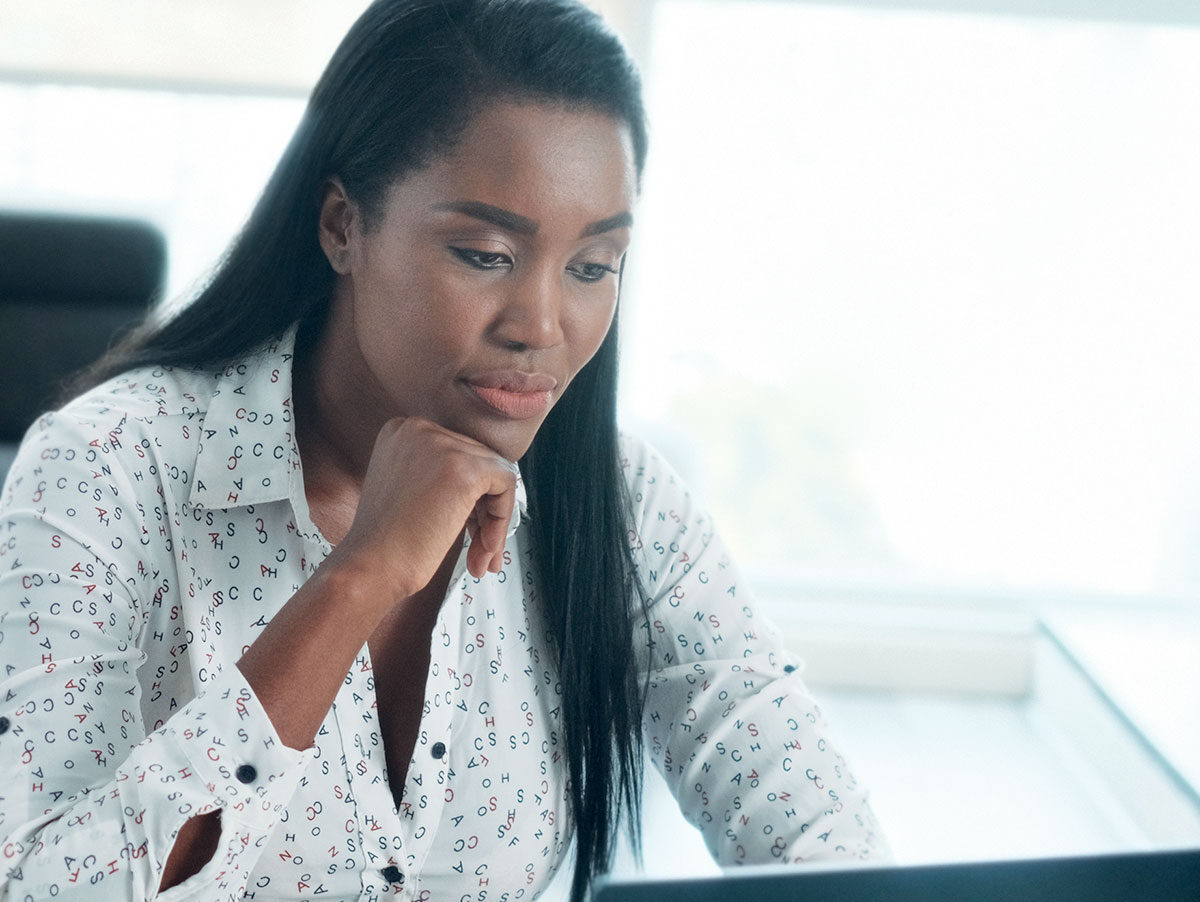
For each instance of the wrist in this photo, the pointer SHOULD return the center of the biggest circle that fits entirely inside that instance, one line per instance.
(362, 581)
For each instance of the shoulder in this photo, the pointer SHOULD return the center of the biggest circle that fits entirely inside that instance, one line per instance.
(662, 503)
(124, 426)
(642, 464)
(151, 404)
(648, 473)
(143, 394)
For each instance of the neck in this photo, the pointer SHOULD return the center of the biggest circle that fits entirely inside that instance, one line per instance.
(336, 421)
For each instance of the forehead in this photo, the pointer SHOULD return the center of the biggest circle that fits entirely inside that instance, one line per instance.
(550, 163)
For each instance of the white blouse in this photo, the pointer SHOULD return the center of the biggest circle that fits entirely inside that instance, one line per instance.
(152, 528)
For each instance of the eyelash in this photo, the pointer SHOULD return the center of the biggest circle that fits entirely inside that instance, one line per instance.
(588, 273)
(595, 272)
(481, 259)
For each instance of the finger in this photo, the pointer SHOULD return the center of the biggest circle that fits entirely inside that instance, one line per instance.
(494, 522)
(479, 555)
(501, 497)
(480, 517)
(472, 524)
(493, 508)
(479, 560)
(388, 431)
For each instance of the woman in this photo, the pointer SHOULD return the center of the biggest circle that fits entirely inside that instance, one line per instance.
(281, 616)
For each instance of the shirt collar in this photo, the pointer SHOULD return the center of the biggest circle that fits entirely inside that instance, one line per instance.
(248, 452)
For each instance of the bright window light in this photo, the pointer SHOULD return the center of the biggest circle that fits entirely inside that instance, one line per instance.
(915, 293)
(193, 164)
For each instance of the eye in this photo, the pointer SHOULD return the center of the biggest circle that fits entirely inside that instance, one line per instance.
(591, 272)
(482, 259)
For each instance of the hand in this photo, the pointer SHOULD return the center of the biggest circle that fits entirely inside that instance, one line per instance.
(423, 485)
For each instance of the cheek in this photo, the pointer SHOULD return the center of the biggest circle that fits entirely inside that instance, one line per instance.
(589, 329)
(404, 309)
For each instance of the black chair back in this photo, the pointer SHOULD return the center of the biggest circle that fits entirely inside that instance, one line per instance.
(69, 287)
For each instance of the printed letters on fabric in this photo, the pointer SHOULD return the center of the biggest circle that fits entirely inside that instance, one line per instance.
(152, 528)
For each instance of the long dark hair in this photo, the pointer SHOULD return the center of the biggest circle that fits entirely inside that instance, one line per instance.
(400, 89)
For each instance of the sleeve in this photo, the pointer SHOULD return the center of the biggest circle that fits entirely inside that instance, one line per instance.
(728, 721)
(92, 801)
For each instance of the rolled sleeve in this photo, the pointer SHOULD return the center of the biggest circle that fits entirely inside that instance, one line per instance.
(227, 739)
(92, 800)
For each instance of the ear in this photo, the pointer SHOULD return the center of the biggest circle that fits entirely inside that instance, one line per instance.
(337, 225)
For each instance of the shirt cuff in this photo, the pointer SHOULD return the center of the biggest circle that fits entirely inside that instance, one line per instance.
(231, 744)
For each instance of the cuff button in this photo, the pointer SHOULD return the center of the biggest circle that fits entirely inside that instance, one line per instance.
(246, 773)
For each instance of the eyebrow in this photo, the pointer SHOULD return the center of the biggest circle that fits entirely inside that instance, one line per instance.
(622, 220)
(523, 225)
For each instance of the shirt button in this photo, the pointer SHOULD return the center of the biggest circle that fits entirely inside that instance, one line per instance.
(438, 750)
(246, 773)
(392, 874)
(3, 725)
(789, 668)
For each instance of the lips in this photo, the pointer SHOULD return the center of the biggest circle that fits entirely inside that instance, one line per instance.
(514, 394)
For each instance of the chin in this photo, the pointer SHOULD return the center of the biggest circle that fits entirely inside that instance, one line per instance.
(515, 449)
(508, 439)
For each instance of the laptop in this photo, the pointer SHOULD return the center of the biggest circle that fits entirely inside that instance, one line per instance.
(1160, 876)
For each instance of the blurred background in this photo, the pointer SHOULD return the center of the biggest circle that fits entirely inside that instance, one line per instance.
(912, 304)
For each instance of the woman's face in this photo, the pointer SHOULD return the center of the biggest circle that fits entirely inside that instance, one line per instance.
(487, 279)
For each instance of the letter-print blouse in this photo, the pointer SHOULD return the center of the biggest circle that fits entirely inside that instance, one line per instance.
(152, 528)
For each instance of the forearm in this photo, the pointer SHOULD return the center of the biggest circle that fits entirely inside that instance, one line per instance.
(301, 658)
(295, 668)
(194, 847)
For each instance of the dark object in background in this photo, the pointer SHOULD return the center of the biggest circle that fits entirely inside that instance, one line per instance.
(69, 287)
(1171, 875)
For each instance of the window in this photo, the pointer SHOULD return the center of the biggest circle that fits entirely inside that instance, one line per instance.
(914, 295)
(193, 164)
(913, 306)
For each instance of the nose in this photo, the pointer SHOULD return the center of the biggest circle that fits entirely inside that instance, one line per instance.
(532, 315)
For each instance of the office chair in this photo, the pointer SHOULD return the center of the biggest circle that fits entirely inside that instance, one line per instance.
(69, 287)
